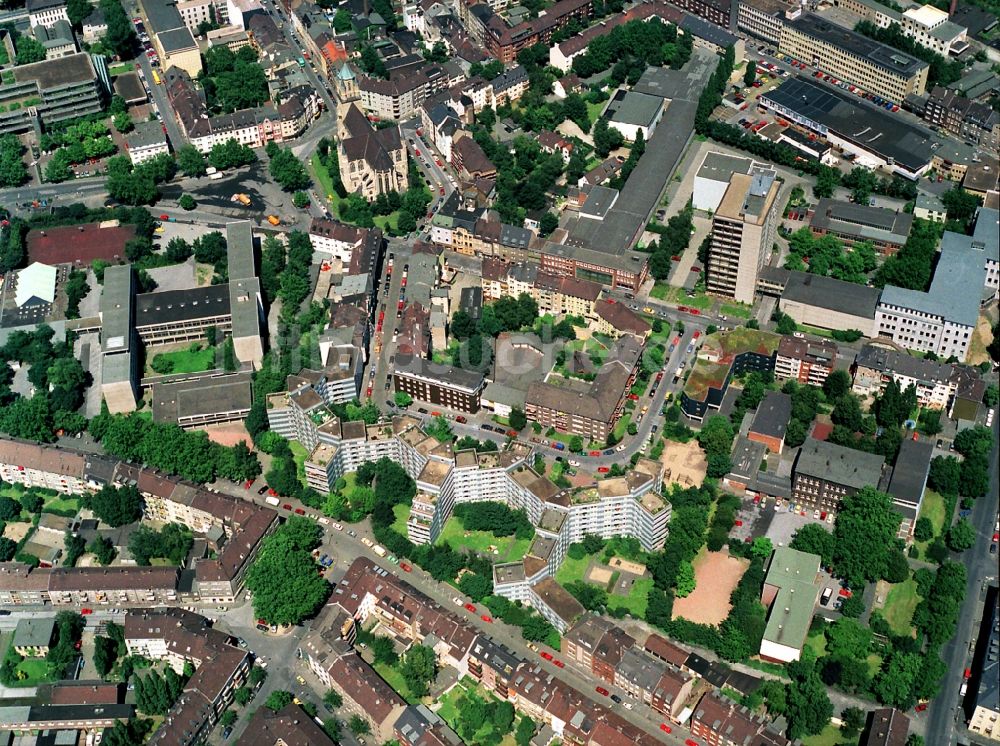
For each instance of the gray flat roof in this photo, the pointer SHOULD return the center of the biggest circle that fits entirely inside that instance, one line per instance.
(129, 87)
(834, 295)
(721, 166)
(162, 15)
(75, 68)
(177, 40)
(600, 199)
(637, 108)
(203, 396)
(909, 475)
(864, 125)
(239, 250)
(862, 221)
(957, 286)
(772, 415)
(857, 45)
(117, 303)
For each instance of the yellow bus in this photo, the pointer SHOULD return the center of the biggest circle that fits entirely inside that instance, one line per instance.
(156, 77)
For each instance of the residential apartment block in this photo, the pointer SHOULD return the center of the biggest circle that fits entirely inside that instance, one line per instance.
(804, 360)
(850, 56)
(825, 473)
(765, 18)
(180, 637)
(743, 231)
(968, 119)
(937, 385)
(591, 409)
(442, 385)
(46, 12)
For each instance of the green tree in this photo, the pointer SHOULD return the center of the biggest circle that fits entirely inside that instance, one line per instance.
(865, 532)
(525, 731)
(283, 579)
(117, 506)
(190, 161)
(29, 50)
(836, 385)
(419, 667)
(288, 171)
(815, 539)
(518, 419)
(300, 200)
(187, 202)
(383, 650)
(685, 580)
(103, 549)
(808, 707)
(358, 725)
(77, 10)
(402, 399)
(961, 536)
(332, 699)
(278, 699)
(750, 74)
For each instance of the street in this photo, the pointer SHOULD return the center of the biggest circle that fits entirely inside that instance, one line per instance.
(945, 716)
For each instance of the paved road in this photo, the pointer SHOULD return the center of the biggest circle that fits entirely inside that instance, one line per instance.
(69, 190)
(158, 95)
(945, 720)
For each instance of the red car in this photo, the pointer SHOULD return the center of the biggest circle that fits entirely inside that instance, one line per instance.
(603, 469)
(416, 152)
(78, 644)
(164, 216)
(470, 607)
(546, 656)
(299, 511)
(287, 506)
(461, 420)
(695, 312)
(738, 523)
(368, 393)
(676, 341)
(659, 376)
(690, 742)
(601, 690)
(512, 433)
(696, 335)
(86, 612)
(246, 485)
(594, 453)
(559, 663)
(967, 674)
(665, 728)
(845, 593)
(682, 309)
(405, 567)
(675, 258)
(437, 161)
(435, 414)
(401, 305)
(441, 190)
(921, 707)
(487, 618)
(698, 269)
(271, 492)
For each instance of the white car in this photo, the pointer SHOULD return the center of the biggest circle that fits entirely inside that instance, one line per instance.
(324, 521)
(338, 526)
(574, 462)
(457, 601)
(620, 448)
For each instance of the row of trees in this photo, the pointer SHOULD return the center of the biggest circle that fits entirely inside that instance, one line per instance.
(12, 169)
(496, 518)
(168, 447)
(155, 694)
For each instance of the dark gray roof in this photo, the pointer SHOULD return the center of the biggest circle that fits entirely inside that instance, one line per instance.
(162, 15)
(176, 40)
(840, 465)
(146, 134)
(772, 415)
(639, 109)
(201, 397)
(909, 475)
(831, 294)
(865, 125)
(857, 45)
(443, 375)
(986, 660)
(181, 305)
(861, 221)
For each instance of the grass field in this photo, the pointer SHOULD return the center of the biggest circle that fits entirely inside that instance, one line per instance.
(831, 736)
(190, 360)
(900, 603)
(322, 176)
(402, 513)
(300, 455)
(507, 548)
(395, 679)
(36, 670)
(622, 426)
(932, 508)
(635, 602)
(735, 309)
(572, 570)
(816, 641)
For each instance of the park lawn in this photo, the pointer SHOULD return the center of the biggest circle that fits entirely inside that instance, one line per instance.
(622, 426)
(874, 661)
(635, 602)
(322, 176)
(300, 454)
(830, 736)
(395, 679)
(190, 360)
(816, 641)
(900, 603)
(572, 570)
(35, 669)
(508, 548)
(932, 508)
(402, 513)
(735, 309)
(388, 223)
(594, 110)
(119, 69)
(815, 330)
(61, 505)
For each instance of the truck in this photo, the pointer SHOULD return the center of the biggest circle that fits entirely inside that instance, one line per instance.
(274, 220)
(216, 176)
(379, 550)
(243, 199)
(271, 501)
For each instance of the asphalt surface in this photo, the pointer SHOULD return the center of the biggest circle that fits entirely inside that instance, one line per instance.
(945, 719)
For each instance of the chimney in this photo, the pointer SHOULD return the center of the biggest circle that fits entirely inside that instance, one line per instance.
(953, 7)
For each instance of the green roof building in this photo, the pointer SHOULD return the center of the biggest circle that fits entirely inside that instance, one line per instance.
(791, 590)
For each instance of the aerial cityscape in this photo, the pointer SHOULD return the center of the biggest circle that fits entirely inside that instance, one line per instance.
(553, 373)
